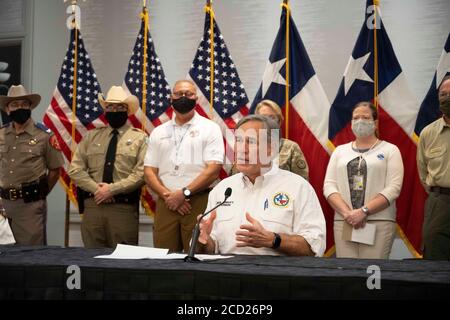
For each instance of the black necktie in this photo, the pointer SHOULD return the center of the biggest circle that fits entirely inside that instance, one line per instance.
(110, 158)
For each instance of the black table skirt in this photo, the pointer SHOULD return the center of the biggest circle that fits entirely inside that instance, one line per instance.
(41, 273)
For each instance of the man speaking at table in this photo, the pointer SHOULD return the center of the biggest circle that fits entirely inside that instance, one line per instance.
(271, 211)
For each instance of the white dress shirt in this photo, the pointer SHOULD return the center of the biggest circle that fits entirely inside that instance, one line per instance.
(180, 152)
(281, 201)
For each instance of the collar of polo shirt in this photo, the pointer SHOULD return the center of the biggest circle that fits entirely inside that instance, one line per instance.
(272, 172)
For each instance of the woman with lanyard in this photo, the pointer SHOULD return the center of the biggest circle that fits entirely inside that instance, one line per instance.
(363, 180)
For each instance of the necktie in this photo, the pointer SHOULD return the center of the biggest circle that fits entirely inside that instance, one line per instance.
(110, 158)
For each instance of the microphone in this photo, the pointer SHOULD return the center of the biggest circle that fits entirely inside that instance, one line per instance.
(196, 232)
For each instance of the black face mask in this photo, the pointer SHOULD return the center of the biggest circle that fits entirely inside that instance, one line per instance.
(116, 119)
(20, 116)
(183, 105)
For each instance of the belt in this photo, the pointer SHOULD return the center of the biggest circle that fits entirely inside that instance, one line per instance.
(440, 190)
(29, 192)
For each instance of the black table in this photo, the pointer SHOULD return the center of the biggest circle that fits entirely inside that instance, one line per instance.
(41, 273)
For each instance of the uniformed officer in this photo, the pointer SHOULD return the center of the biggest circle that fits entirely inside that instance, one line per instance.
(290, 157)
(108, 170)
(30, 160)
(433, 162)
(271, 211)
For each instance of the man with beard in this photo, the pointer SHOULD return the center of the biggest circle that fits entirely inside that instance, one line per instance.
(108, 170)
(433, 162)
(30, 160)
(183, 159)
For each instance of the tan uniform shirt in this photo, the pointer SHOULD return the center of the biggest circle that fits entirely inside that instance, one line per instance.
(86, 168)
(433, 155)
(27, 156)
(291, 158)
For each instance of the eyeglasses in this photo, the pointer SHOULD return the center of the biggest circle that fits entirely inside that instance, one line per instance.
(179, 94)
(116, 107)
(19, 104)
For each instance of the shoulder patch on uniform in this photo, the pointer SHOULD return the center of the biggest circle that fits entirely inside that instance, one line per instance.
(42, 126)
(54, 143)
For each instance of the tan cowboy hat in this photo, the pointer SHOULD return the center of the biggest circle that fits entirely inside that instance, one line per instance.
(19, 93)
(118, 95)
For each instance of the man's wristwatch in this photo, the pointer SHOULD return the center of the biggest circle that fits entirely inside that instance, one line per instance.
(186, 192)
(365, 210)
(277, 241)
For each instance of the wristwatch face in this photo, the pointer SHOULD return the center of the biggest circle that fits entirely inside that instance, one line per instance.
(187, 192)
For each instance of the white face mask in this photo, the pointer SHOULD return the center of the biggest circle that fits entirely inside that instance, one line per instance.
(363, 128)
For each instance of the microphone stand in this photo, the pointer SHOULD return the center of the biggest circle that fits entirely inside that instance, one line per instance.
(196, 233)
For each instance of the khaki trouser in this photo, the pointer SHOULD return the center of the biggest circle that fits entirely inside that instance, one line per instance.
(173, 231)
(384, 238)
(107, 225)
(28, 221)
(436, 227)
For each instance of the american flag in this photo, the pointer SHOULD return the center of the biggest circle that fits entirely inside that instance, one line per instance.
(157, 91)
(230, 100)
(76, 73)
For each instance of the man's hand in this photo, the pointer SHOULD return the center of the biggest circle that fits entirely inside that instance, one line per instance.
(206, 227)
(103, 194)
(356, 218)
(174, 199)
(185, 208)
(253, 234)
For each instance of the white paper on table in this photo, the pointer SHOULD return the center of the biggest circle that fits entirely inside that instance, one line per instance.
(365, 235)
(135, 252)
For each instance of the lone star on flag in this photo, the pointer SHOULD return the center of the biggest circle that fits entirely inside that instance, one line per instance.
(272, 75)
(354, 70)
(443, 67)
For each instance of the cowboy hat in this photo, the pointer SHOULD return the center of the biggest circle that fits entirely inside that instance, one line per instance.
(19, 93)
(118, 95)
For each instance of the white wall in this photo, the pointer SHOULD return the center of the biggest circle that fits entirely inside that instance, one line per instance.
(417, 28)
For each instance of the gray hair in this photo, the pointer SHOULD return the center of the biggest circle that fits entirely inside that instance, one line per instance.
(269, 124)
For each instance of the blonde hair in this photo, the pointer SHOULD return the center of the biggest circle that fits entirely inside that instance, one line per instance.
(272, 105)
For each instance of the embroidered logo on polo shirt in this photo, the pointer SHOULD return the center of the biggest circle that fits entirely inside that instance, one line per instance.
(281, 199)
(380, 156)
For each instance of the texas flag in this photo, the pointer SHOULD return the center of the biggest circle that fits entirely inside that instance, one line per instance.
(397, 114)
(308, 105)
(429, 110)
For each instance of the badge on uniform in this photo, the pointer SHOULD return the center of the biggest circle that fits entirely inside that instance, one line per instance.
(194, 133)
(281, 199)
(54, 143)
(129, 142)
(358, 182)
(32, 142)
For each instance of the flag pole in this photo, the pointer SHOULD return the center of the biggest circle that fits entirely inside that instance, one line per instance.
(210, 11)
(288, 15)
(375, 55)
(145, 18)
(73, 120)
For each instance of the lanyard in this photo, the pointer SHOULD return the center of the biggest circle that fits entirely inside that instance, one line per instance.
(178, 144)
(361, 154)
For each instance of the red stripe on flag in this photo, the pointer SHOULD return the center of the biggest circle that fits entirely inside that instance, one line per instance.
(317, 158)
(63, 119)
(64, 147)
(411, 202)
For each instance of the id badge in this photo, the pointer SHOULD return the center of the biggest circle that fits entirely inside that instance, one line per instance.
(358, 182)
